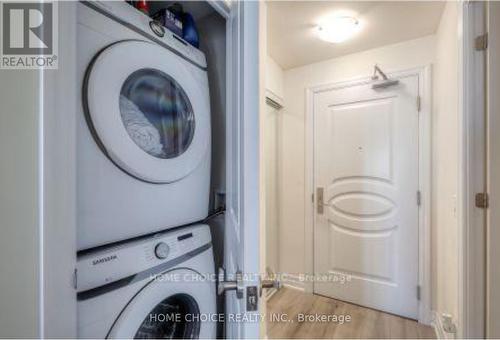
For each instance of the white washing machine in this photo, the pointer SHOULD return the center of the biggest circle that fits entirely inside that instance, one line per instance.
(158, 287)
(143, 133)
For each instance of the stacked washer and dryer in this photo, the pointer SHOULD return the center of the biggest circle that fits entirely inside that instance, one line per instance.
(143, 169)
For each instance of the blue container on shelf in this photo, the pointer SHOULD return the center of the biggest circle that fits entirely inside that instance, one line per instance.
(189, 31)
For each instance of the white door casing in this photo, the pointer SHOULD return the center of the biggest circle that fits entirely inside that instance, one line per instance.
(271, 166)
(366, 147)
(493, 172)
(241, 242)
(472, 171)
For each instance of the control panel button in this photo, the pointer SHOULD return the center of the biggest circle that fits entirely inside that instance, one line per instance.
(161, 250)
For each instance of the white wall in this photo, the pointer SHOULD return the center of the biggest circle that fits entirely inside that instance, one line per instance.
(19, 193)
(292, 219)
(445, 165)
(274, 78)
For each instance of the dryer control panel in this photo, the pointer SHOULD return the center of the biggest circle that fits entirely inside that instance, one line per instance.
(126, 260)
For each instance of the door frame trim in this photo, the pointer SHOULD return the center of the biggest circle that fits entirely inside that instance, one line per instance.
(425, 157)
(472, 174)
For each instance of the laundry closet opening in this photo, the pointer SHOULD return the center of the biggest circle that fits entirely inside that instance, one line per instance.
(151, 167)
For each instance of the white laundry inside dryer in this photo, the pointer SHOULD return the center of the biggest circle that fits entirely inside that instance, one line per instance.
(142, 132)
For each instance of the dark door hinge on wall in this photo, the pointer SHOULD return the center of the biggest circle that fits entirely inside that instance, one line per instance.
(419, 103)
(481, 42)
(419, 198)
(482, 200)
(75, 278)
(418, 293)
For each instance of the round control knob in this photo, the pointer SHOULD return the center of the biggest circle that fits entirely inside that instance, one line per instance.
(161, 250)
(157, 28)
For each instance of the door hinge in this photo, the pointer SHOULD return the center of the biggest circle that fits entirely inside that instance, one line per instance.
(419, 103)
(312, 198)
(418, 292)
(75, 278)
(419, 198)
(482, 200)
(481, 42)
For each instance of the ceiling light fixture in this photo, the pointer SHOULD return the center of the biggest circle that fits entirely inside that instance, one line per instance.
(338, 29)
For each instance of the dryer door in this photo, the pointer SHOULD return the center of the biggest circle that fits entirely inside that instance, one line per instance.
(148, 110)
(179, 304)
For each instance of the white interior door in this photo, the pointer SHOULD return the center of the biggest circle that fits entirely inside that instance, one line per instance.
(366, 170)
(241, 243)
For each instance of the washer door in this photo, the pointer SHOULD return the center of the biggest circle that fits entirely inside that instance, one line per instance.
(147, 110)
(174, 305)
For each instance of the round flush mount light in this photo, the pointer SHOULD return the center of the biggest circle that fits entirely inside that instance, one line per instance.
(338, 29)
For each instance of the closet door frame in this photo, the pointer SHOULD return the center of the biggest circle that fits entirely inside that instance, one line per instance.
(472, 172)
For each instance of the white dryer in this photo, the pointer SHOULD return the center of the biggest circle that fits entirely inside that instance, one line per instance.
(143, 133)
(158, 287)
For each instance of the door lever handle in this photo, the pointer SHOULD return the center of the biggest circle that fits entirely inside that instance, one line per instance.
(224, 285)
(320, 204)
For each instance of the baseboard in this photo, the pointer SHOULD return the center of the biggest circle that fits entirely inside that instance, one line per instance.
(425, 315)
(437, 324)
(270, 293)
(293, 281)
